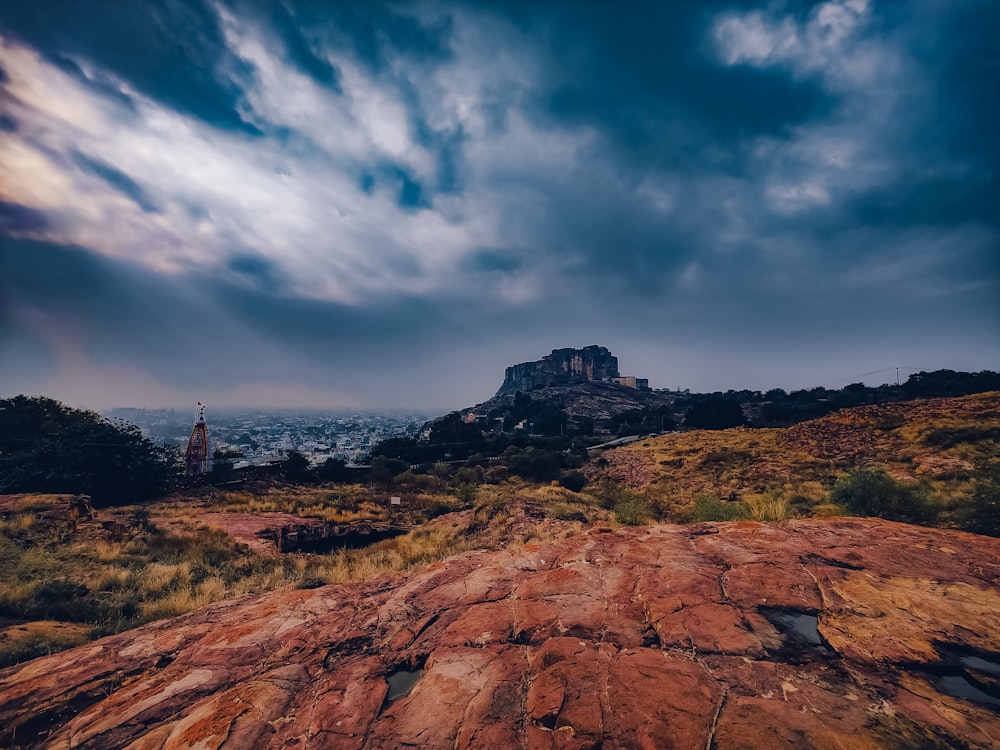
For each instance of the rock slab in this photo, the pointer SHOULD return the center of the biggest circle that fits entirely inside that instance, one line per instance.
(841, 633)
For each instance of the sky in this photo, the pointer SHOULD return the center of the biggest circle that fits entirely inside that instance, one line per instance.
(383, 205)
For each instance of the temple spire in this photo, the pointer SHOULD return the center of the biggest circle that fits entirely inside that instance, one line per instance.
(197, 457)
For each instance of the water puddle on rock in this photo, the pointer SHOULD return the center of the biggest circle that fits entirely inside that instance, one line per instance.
(401, 683)
(959, 686)
(962, 674)
(801, 628)
(980, 664)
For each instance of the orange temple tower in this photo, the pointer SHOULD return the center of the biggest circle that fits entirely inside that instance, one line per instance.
(197, 457)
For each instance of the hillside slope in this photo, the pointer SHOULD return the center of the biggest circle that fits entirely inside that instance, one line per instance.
(939, 442)
(595, 400)
(839, 633)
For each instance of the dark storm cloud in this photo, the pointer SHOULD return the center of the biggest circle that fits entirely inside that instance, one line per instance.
(440, 188)
(493, 260)
(171, 51)
(299, 50)
(260, 272)
(107, 298)
(641, 75)
(116, 179)
(374, 31)
(185, 330)
(659, 101)
(17, 218)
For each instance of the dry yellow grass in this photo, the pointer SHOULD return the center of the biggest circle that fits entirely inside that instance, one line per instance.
(939, 443)
(762, 474)
(772, 505)
(17, 523)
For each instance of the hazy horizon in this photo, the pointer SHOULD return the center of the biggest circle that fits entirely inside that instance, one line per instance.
(263, 204)
(883, 376)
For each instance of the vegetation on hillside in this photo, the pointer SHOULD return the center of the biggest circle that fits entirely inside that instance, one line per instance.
(929, 461)
(543, 420)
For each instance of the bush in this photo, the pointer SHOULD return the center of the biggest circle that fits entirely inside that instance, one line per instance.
(708, 507)
(466, 493)
(496, 475)
(469, 475)
(983, 516)
(631, 509)
(385, 468)
(535, 464)
(872, 492)
(574, 481)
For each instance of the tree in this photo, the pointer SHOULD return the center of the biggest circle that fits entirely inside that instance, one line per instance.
(296, 466)
(714, 412)
(46, 446)
(334, 470)
(385, 468)
(451, 428)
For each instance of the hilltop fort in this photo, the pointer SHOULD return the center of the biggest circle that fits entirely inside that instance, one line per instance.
(567, 367)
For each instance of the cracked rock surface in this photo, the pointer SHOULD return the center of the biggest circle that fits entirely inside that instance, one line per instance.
(658, 637)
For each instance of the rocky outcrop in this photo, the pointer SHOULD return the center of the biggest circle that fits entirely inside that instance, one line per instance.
(561, 367)
(838, 633)
(600, 401)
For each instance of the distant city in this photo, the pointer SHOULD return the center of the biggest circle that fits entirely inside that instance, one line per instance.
(264, 436)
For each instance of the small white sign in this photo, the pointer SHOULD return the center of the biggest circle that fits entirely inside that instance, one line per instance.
(394, 500)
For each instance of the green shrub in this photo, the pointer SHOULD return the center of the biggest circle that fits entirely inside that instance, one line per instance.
(708, 507)
(469, 475)
(606, 492)
(466, 493)
(574, 481)
(630, 509)
(983, 516)
(872, 492)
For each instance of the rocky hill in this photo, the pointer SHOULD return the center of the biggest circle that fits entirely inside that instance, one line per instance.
(809, 633)
(593, 400)
(941, 443)
(561, 367)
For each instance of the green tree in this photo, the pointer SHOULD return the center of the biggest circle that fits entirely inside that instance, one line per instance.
(334, 470)
(296, 467)
(714, 412)
(46, 446)
(385, 468)
(451, 428)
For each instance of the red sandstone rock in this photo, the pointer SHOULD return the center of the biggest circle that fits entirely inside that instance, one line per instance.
(640, 638)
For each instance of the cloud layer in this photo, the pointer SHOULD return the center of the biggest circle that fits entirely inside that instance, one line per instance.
(385, 204)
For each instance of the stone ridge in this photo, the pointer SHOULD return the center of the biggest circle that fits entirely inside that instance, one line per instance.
(561, 367)
(660, 637)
